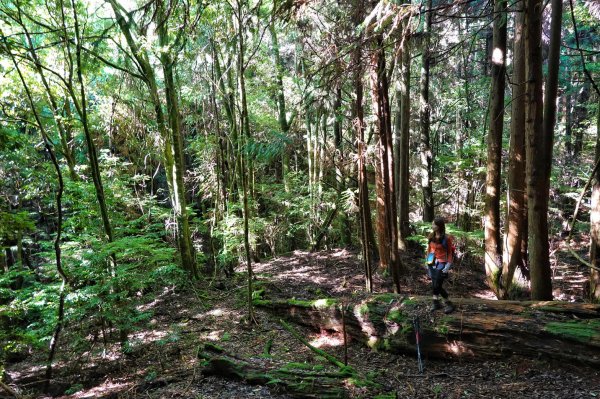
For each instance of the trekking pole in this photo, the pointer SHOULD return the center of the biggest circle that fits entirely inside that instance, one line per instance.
(417, 328)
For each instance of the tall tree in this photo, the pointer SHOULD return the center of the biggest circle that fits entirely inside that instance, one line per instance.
(168, 125)
(540, 134)
(358, 121)
(167, 46)
(493, 245)
(244, 164)
(425, 150)
(515, 218)
(387, 227)
(339, 163)
(595, 222)
(282, 118)
(403, 132)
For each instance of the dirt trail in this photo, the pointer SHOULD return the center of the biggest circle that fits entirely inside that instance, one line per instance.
(161, 359)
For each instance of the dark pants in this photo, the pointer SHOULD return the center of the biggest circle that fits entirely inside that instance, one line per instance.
(437, 279)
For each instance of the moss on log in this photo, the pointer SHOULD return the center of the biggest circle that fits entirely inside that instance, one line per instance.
(300, 382)
(477, 329)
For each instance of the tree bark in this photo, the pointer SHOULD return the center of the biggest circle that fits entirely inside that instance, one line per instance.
(244, 163)
(186, 247)
(387, 227)
(424, 115)
(568, 116)
(358, 121)
(404, 150)
(493, 245)
(296, 382)
(512, 258)
(228, 101)
(538, 157)
(595, 223)
(346, 233)
(281, 106)
(480, 329)
(580, 115)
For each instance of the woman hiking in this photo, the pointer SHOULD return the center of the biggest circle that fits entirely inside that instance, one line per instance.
(440, 254)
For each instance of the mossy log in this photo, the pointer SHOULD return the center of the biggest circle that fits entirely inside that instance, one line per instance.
(296, 379)
(477, 329)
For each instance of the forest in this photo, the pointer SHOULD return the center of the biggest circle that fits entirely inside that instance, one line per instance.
(218, 199)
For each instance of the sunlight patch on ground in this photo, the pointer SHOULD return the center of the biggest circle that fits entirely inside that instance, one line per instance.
(340, 253)
(164, 294)
(147, 306)
(148, 336)
(328, 339)
(107, 388)
(306, 273)
(213, 335)
(218, 312)
(485, 295)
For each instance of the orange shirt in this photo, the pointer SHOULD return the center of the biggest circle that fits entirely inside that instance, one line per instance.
(442, 254)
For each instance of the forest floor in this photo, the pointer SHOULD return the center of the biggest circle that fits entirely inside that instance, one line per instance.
(162, 361)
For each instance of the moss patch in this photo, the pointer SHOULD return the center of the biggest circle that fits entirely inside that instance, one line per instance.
(581, 330)
(386, 297)
(303, 366)
(301, 303)
(397, 316)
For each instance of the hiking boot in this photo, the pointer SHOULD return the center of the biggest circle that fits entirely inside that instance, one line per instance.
(435, 305)
(449, 308)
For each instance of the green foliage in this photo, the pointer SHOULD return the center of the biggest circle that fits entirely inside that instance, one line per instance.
(74, 389)
(267, 151)
(578, 330)
(14, 224)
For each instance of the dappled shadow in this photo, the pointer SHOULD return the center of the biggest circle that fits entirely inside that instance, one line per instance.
(340, 273)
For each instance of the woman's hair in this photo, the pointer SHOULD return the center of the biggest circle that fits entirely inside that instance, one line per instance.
(441, 225)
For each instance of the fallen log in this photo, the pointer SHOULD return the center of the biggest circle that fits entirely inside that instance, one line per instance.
(478, 329)
(300, 380)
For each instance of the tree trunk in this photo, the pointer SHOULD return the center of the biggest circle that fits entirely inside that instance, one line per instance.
(538, 157)
(595, 223)
(580, 115)
(186, 247)
(358, 121)
(339, 161)
(174, 167)
(303, 383)
(493, 245)
(404, 146)
(512, 257)
(81, 107)
(568, 117)
(424, 115)
(480, 330)
(386, 197)
(221, 156)
(281, 108)
(244, 164)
